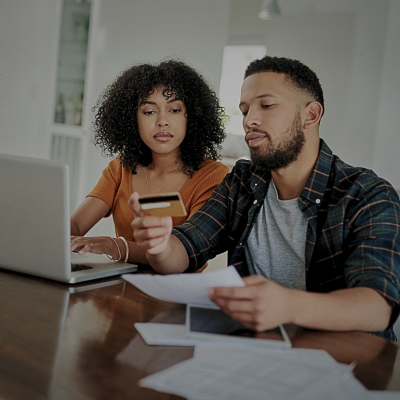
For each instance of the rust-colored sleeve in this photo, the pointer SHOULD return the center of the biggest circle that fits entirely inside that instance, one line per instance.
(200, 186)
(108, 184)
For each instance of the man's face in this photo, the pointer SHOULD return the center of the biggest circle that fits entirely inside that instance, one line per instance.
(271, 120)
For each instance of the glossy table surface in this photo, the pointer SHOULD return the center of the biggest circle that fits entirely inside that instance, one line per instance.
(79, 342)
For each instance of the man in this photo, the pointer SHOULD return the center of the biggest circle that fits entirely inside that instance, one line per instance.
(320, 239)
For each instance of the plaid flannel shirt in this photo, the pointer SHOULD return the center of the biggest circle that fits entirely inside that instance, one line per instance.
(353, 233)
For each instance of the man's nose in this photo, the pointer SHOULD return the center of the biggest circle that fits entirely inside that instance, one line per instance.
(252, 119)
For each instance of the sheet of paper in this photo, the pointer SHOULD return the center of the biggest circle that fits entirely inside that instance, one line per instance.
(384, 395)
(164, 334)
(185, 288)
(229, 373)
(175, 335)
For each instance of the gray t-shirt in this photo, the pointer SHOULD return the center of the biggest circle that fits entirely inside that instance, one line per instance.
(276, 245)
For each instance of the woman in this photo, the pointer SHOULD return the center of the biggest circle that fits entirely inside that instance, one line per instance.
(165, 125)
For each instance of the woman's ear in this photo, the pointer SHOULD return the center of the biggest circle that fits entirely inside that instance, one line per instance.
(314, 113)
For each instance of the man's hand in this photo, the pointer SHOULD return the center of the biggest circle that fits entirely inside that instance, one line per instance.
(260, 305)
(263, 304)
(152, 234)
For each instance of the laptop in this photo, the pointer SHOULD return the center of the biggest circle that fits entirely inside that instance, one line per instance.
(35, 224)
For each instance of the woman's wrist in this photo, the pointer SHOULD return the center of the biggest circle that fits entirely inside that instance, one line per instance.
(124, 252)
(114, 249)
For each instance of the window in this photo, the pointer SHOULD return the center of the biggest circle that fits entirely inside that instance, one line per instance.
(234, 62)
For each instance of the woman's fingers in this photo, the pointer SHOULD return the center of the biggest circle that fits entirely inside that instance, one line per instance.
(96, 245)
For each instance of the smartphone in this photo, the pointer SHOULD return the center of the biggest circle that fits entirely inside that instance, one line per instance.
(212, 325)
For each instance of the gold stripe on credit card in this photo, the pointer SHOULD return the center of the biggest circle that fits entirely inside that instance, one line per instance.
(163, 205)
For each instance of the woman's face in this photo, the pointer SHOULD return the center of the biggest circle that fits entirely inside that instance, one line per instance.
(162, 122)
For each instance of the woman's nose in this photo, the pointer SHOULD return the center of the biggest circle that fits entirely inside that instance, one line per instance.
(162, 120)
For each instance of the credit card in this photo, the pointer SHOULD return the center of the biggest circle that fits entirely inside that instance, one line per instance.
(163, 205)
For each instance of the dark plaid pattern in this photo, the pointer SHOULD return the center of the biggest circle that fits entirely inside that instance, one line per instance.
(353, 233)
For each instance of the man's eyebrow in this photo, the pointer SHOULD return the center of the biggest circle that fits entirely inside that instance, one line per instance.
(260, 97)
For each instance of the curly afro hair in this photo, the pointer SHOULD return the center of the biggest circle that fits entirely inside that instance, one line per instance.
(298, 74)
(116, 126)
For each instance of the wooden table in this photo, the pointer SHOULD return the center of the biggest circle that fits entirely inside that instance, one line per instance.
(78, 342)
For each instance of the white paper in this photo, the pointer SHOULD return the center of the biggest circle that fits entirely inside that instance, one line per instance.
(234, 373)
(175, 335)
(185, 288)
(164, 334)
(384, 395)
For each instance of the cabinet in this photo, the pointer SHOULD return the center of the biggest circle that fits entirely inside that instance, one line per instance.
(75, 31)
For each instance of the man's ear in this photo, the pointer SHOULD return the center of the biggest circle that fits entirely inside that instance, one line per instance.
(314, 113)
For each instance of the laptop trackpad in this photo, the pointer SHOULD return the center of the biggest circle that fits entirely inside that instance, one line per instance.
(89, 258)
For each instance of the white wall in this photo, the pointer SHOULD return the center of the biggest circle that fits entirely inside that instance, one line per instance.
(24, 72)
(352, 45)
(386, 161)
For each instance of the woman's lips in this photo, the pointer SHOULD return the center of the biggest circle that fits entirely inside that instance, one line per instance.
(163, 136)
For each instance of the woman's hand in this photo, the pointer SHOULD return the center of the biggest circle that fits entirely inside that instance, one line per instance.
(97, 245)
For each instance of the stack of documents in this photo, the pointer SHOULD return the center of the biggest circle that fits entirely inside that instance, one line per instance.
(239, 373)
(231, 371)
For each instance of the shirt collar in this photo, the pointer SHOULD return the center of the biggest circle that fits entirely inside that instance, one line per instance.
(316, 184)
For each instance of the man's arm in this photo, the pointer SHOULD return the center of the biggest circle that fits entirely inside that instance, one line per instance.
(165, 253)
(263, 304)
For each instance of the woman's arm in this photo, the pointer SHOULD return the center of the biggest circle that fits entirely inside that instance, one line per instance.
(87, 215)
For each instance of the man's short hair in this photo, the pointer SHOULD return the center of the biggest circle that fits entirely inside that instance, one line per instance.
(298, 74)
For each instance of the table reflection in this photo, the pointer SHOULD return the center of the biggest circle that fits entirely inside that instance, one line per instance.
(58, 341)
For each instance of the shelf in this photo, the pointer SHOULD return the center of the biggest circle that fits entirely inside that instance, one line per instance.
(81, 42)
(71, 80)
(67, 130)
(72, 62)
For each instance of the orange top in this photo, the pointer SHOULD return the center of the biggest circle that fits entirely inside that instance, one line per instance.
(114, 188)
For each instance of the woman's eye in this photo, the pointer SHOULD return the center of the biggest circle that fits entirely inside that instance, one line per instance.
(175, 110)
(266, 105)
(148, 112)
(244, 113)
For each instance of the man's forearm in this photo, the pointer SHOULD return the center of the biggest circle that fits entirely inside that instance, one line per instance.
(173, 260)
(360, 308)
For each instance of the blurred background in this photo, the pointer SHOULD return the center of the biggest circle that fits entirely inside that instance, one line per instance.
(57, 56)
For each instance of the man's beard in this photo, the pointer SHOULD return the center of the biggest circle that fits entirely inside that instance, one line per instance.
(287, 150)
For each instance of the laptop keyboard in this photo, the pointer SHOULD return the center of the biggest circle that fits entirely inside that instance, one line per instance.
(79, 267)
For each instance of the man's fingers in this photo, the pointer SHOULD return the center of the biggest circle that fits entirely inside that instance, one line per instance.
(151, 233)
(151, 242)
(248, 292)
(235, 306)
(244, 313)
(254, 280)
(135, 205)
(237, 293)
